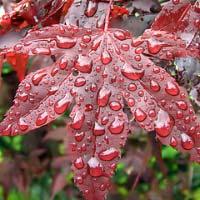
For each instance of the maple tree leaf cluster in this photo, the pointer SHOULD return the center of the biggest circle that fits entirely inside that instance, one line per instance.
(108, 80)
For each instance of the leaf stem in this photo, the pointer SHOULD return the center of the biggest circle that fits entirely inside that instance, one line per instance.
(107, 16)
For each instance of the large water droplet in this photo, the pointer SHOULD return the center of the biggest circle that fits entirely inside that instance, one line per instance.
(62, 105)
(41, 119)
(154, 86)
(22, 124)
(131, 73)
(91, 8)
(106, 57)
(186, 141)
(120, 35)
(79, 136)
(98, 129)
(140, 115)
(65, 42)
(153, 48)
(103, 97)
(114, 105)
(182, 105)
(117, 126)
(163, 124)
(83, 64)
(95, 167)
(37, 78)
(23, 96)
(79, 163)
(109, 154)
(78, 120)
(172, 89)
(80, 81)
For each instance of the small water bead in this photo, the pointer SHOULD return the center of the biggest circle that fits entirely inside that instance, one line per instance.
(78, 120)
(139, 50)
(152, 113)
(37, 78)
(95, 167)
(114, 105)
(41, 51)
(79, 180)
(125, 47)
(23, 96)
(80, 81)
(172, 89)
(83, 64)
(91, 8)
(54, 71)
(176, 2)
(153, 48)
(88, 107)
(95, 44)
(103, 97)
(27, 87)
(106, 57)
(18, 47)
(117, 126)
(102, 187)
(163, 124)
(7, 130)
(104, 120)
(182, 105)
(136, 43)
(53, 90)
(120, 35)
(186, 141)
(137, 58)
(131, 102)
(132, 87)
(41, 119)
(140, 115)
(23, 126)
(63, 63)
(109, 154)
(79, 136)
(86, 38)
(98, 129)
(131, 73)
(155, 87)
(79, 163)
(93, 87)
(62, 105)
(65, 42)
(173, 142)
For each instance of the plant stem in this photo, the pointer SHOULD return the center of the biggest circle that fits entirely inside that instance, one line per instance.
(108, 15)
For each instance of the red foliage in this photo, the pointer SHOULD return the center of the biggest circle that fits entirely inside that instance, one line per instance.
(100, 72)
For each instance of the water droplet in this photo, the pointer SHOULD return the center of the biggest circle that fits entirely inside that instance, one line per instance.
(91, 8)
(176, 2)
(132, 87)
(173, 142)
(182, 105)
(154, 86)
(106, 57)
(63, 63)
(62, 105)
(65, 42)
(22, 124)
(80, 81)
(83, 64)
(172, 89)
(163, 124)
(7, 130)
(131, 102)
(37, 78)
(186, 141)
(78, 120)
(98, 129)
(120, 35)
(79, 163)
(131, 73)
(95, 167)
(140, 115)
(109, 154)
(79, 136)
(23, 96)
(27, 87)
(42, 119)
(103, 97)
(117, 126)
(79, 180)
(114, 105)
(153, 48)
(41, 51)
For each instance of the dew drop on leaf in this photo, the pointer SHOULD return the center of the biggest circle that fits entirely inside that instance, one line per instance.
(140, 115)
(41, 119)
(117, 126)
(65, 42)
(98, 129)
(95, 167)
(172, 89)
(186, 141)
(79, 163)
(109, 154)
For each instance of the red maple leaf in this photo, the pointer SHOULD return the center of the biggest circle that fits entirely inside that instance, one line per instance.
(100, 73)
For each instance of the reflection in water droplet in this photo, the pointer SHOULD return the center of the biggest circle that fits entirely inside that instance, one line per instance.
(78, 120)
(95, 167)
(98, 130)
(140, 115)
(163, 124)
(186, 141)
(62, 105)
(109, 154)
(172, 89)
(65, 42)
(117, 126)
(79, 163)
(103, 97)
(106, 57)
(22, 124)
(41, 119)
(83, 64)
